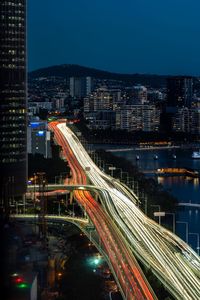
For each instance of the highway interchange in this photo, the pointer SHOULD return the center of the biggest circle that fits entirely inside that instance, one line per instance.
(130, 230)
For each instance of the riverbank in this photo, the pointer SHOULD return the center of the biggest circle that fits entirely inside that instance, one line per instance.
(143, 148)
(119, 137)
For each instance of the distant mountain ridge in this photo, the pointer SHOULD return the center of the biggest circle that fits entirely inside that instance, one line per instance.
(70, 70)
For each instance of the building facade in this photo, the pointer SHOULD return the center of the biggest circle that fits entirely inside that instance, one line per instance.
(80, 86)
(39, 138)
(139, 94)
(138, 118)
(102, 99)
(187, 120)
(13, 100)
(179, 91)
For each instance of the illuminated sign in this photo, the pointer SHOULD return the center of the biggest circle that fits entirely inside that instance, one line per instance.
(34, 124)
(40, 133)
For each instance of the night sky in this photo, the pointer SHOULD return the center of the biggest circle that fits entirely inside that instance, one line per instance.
(129, 36)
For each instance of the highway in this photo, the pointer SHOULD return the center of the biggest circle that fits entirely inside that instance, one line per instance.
(127, 272)
(170, 258)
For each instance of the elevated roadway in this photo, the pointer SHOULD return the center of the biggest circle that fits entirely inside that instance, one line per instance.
(130, 278)
(170, 258)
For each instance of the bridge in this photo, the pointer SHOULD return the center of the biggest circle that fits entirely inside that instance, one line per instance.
(172, 172)
(195, 205)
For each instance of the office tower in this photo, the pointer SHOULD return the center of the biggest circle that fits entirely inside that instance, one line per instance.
(179, 91)
(13, 106)
(80, 86)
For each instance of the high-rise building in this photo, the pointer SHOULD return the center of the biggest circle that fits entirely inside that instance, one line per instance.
(138, 118)
(179, 91)
(181, 120)
(80, 86)
(102, 99)
(13, 100)
(187, 120)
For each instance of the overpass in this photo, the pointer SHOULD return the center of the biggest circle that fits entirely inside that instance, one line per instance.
(84, 225)
(127, 232)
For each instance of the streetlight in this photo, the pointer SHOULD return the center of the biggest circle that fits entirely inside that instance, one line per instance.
(186, 226)
(174, 222)
(163, 214)
(98, 162)
(137, 188)
(111, 168)
(158, 215)
(127, 177)
(120, 172)
(197, 235)
(95, 159)
(146, 204)
(131, 183)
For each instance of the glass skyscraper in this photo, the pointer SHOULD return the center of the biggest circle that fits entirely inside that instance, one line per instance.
(13, 100)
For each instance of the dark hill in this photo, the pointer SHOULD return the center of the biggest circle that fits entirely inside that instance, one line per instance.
(76, 70)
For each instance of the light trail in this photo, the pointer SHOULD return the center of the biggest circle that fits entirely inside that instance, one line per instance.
(129, 274)
(171, 259)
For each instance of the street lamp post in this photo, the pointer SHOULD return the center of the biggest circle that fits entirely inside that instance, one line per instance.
(163, 214)
(146, 204)
(174, 218)
(101, 165)
(111, 168)
(137, 188)
(159, 217)
(197, 235)
(95, 158)
(120, 172)
(127, 177)
(131, 183)
(186, 226)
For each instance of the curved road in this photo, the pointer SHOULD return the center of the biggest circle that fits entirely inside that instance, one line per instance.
(170, 258)
(130, 277)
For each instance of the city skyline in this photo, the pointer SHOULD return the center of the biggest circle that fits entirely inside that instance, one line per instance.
(96, 150)
(135, 37)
